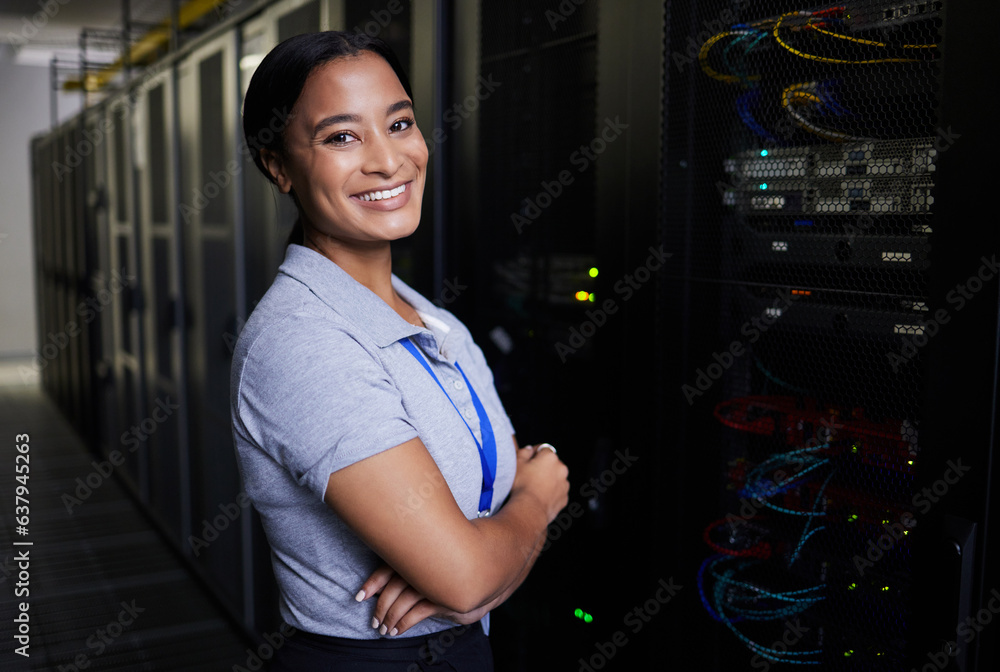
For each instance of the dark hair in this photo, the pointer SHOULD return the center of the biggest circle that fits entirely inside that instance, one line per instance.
(277, 84)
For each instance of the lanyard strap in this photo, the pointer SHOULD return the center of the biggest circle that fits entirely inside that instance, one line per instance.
(488, 448)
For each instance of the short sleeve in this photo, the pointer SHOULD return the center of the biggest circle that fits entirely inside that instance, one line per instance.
(316, 400)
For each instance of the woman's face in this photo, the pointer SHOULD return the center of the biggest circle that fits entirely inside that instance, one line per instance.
(354, 154)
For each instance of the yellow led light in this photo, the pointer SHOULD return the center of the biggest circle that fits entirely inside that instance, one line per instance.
(582, 296)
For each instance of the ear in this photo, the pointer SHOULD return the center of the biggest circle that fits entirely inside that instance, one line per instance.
(276, 168)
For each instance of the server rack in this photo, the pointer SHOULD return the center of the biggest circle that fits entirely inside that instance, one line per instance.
(556, 202)
(126, 304)
(163, 422)
(97, 311)
(813, 191)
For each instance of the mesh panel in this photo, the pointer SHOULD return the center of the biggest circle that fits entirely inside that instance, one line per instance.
(812, 186)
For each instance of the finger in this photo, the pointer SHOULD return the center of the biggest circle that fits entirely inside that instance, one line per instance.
(420, 611)
(390, 593)
(400, 607)
(376, 582)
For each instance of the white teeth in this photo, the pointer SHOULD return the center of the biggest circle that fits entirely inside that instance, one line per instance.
(382, 195)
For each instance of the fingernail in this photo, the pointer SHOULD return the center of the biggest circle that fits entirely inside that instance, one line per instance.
(392, 633)
(360, 596)
(383, 629)
(374, 622)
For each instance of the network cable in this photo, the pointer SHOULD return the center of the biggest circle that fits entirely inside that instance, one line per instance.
(797, 100)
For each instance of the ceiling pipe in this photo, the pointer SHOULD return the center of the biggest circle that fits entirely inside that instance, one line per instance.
(146, 48)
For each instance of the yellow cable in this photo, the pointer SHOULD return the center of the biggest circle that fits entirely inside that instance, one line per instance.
(703, 59)
(799, 93)
(823, 59)
(841, 36)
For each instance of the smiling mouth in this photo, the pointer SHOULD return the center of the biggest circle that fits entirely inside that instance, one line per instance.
(383, 195)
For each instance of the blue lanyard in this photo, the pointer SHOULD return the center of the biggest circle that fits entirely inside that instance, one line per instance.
(488, 448)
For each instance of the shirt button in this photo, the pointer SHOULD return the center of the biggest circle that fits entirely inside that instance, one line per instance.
(469, 415)
(459, 385)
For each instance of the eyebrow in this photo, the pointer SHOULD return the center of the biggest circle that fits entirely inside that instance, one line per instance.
(356, 119)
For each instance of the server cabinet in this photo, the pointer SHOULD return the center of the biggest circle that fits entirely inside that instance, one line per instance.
(98, 311)
(269, 214)
(65, 277)
(805, 159)
(552, 117)
(161, 434)
(41, 165)
(62, 210)
(122, 284)
(208, 205)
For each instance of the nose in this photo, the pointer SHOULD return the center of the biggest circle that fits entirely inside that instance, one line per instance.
(382, 157)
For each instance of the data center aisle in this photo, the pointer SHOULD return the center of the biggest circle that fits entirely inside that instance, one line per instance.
(105, 591)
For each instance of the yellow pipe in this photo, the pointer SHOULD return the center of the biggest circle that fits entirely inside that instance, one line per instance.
(147, 47)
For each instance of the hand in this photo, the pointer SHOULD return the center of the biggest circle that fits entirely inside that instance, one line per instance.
(542, 474)
(400, 606)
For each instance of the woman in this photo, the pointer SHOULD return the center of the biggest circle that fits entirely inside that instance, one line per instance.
(369, 434)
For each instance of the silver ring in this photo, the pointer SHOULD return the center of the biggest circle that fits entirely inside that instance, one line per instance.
(547, 445)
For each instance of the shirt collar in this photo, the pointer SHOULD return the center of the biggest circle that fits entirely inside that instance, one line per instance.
(358, 304)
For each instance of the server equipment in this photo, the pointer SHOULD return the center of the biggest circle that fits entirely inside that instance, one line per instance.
(813, 170)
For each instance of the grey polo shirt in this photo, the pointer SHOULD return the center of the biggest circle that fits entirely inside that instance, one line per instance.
(320, 380)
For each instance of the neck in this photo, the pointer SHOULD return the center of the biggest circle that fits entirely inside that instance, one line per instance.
(369, 264)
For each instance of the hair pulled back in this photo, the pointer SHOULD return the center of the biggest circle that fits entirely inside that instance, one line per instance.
(277, 84)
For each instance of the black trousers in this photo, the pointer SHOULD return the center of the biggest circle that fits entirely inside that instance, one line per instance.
(464, 648)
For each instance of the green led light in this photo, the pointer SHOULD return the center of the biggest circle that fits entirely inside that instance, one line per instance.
(852, 586)
(583, 615)
(854, 448)
(851, 518)
(578, 613)
(763, 152)
(763, 186)
(593, 272)
(591, 297)
(885, 589)
(587, 618)
(847, 654)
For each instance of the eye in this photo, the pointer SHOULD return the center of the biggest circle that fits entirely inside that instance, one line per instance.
(340, 139)
(401, 125)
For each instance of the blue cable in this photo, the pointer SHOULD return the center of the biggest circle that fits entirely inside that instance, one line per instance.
(725, 54)
(743, 111)
(804, 537)
(770, 376)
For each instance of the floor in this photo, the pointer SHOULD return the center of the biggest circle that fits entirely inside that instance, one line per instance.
(103, 590)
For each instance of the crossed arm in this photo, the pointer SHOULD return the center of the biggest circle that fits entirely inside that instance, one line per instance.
(437, 561)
